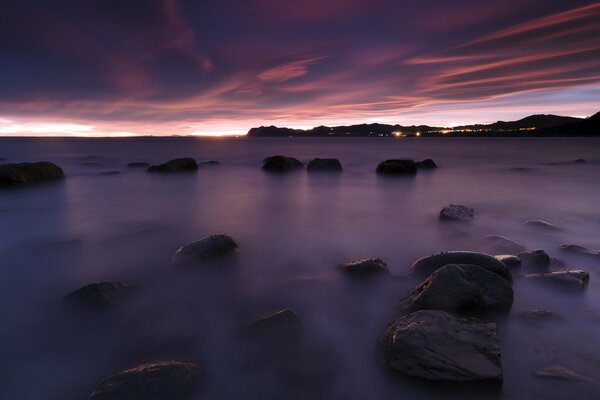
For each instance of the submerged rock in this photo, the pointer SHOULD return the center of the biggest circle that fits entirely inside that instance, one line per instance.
(426, 164)
(456, 212)
(281, 164)
(569, 278)
(210, 248)
(461, 289)
(501, 245)
(160, 380)
(29, 173)
(282, 324)
(580, 250)
(539, 317)
(397, 167)
(543, 225)
(138, 164)
(535, 261)
(436, 345)
(512, 262)
(427, 265)
(368, 266)
(99, 296)
(176, 165)
(324, 165)
(557, 371)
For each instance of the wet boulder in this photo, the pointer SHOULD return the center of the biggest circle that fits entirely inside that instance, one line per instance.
(161, 380)
(439, 346)
(397, 167)
(426, 164)
(574, 279)
(512, 262)
(495, 244)
(427, 265)
(456, 212)
(535, 261)
(100, 296)
(138, 164)
(366, 267)
(281, 164)
(185, 164)
(29, 173)
(542, 225)
(208, 249)
(324, 165)
(461, 289)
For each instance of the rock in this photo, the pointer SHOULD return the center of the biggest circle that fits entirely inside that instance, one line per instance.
(579, 250)
(283, 324)
(161, 380)
(540, 317)
(210, 248)
(542, 225)
(426, 164)
(309, 367)
(535, 261)
(138, 164)
(556, 263)
(501, 245)
(368, 266)
(512, 262)
(569, 278)
(397, 167)
(461, 289)
(99, 296)
(176, 165)
(436, 345)
(456, 212)
(29, 173)
(557, 371)
(281, 164)
(324, 165)
(427, 265)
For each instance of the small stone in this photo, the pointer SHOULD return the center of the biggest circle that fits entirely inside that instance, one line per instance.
(208, 249)
(369, 266)
(456, 212)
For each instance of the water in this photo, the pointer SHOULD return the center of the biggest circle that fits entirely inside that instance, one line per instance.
(293, 230)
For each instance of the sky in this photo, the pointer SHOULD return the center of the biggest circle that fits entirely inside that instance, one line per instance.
(220, 67)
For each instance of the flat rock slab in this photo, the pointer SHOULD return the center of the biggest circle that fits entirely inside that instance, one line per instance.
(208, 249)
(456, 212)
(569, 279)
(162, 380)
(29, 173)
(436, 345)
(556, 371)
(427, 265)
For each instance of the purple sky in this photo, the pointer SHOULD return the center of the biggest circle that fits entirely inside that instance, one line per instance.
(115, 67)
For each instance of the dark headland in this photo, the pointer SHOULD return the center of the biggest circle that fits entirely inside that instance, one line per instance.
(534, 125)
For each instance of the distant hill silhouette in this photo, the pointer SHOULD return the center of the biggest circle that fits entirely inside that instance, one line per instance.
(533, 125)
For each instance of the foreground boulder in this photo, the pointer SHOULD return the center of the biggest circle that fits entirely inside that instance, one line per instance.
(456, 212)
(512, 262)
(461, 289)
(426, 164)
(569, 279)
(397, 167)
(99, 296)
(176, 165)
(208, 249)
(495, 244)
(324, 165)
(439, 346)
(427, 265)
(366, 267)
(542, 225)
(161, 380)
(29, 173)
(535, 261)
(281, 164)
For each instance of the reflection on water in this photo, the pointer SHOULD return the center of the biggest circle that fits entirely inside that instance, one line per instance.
(293, 230)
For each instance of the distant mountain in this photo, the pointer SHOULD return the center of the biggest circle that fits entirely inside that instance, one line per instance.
(533, 125)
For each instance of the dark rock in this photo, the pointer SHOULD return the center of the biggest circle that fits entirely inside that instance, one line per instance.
(543, 225)
(461, 289)
(501, 245)
(369, 266)
(210, 248)
(99, 296)
(281, 164)
(138, 164)
(29, 173)
(175, 165)
(456, 212)
(579, 250)
(540, 317)
(397, 167)
(535, 261)
(436, 345)
(556, 263)
(309, 368)
(283, 324)
(161, 380)
(324, 165)
(568, 279)
(427, 265)
(556, 371)
(427, 163)
(512, 262)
